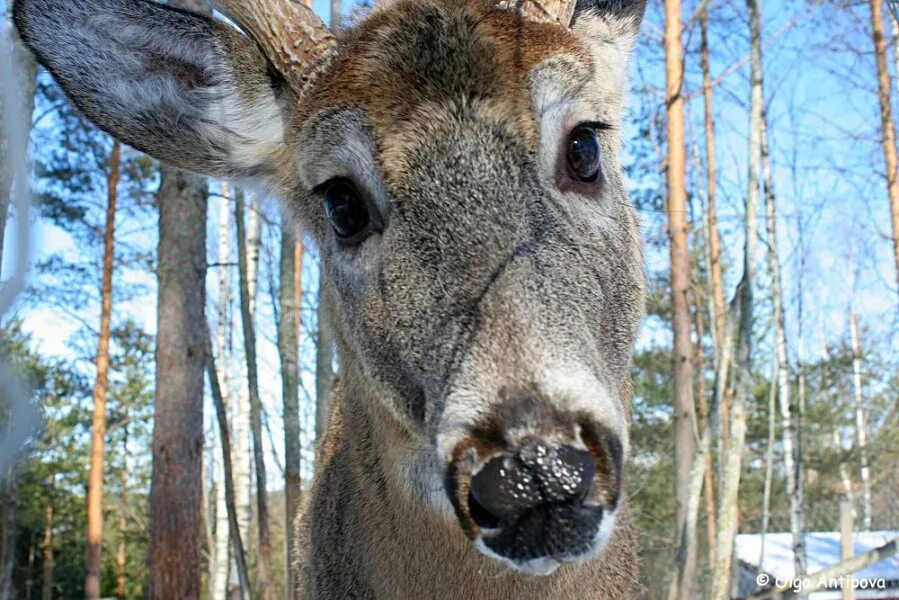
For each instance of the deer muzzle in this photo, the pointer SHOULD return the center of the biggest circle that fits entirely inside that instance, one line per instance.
(540, 493)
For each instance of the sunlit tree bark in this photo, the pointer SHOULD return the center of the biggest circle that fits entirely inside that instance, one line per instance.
(684, 434)
(887, 126)
(98, 424)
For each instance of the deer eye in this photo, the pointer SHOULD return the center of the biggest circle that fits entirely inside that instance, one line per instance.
(346, 210)
(583, 153)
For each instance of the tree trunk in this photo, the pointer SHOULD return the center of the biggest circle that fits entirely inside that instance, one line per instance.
(719, 310)
(788, 408)
(9, 532)
(684, 418)
(249, 333)
(887, 127)
(47, 549)
(769, 457)
(708, 484)
(288, 349)
(219, 579)
(847, 549)
(241, 448)
(98, 421)
(861, 436)
(335, 15)
(26, 71)
(845, 478)
(715, 271)
(243, 587)
(29, 572)
(121, 552)
(743, 302)
(176, 488)
(324, 356)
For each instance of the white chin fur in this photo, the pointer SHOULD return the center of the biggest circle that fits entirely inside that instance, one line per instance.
(547, 565)
(535, 566)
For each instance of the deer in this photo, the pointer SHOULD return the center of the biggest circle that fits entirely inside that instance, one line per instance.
(456, 163)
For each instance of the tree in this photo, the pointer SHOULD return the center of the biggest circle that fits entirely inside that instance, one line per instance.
(98, 427)
(249, 335)
(175, 493)
(684, 433)
(861, 427)
(288, 349)
(324, 356)
(789, 409)
(176, 489)
(887, 126)
(241, 455)
(122, 546)
(219, 569)
(743, 307)
(243, 586)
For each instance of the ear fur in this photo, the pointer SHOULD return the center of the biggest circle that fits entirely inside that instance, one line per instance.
(181, 87)
(621, 16)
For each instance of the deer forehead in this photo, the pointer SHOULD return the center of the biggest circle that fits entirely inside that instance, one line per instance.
(411, 63)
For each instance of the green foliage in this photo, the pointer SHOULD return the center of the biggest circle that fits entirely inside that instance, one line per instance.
(53, 475)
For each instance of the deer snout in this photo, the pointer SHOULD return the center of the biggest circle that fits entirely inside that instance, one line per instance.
(538, 502)
(539, 477)
(533, 504)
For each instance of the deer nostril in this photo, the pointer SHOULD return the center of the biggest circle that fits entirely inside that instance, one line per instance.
(564, 472)
(509, 486)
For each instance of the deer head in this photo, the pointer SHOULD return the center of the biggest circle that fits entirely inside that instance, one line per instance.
(456, 162)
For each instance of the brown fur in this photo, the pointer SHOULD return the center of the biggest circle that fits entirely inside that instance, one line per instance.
(361, 537)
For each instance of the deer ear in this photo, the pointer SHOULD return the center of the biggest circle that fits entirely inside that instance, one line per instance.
(183, 88)
(622, 17)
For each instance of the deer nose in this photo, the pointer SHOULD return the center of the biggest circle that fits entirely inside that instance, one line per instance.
(521, 487)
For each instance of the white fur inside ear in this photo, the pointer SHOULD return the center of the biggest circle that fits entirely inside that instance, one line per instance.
(252, 129)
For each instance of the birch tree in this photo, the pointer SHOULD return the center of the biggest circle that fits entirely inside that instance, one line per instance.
(788, 409)
(241, 456)
(98, 423)
(861, 436)
(242, 591)
(743, 308)
(769, 457)
(247, 255)
(219, 580)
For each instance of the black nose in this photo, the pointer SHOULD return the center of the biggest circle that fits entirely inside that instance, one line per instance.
(538, 476)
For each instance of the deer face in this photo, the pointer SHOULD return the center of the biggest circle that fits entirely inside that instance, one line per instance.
(484, 259)
(457, 165)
